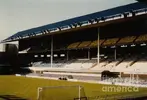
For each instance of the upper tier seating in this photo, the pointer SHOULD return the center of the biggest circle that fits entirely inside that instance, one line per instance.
(108, 42)
(128, 39)
(91, 44)
(84, 44)
(141, 38)
(95, 43)
(111, 41)
(73, 45)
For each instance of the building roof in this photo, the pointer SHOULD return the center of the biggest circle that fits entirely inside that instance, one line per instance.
(102, 14)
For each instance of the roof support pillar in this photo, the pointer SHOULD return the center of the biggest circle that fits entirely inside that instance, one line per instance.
(89, 54)
(52, 51)
(98, 46)
(115, 53)
(67, 56)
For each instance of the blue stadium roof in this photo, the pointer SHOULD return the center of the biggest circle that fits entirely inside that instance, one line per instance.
(105, 13)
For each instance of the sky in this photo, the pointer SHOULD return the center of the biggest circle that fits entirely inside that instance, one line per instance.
(19, 15)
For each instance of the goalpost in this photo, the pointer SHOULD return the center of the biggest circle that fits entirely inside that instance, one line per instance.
(61, 93)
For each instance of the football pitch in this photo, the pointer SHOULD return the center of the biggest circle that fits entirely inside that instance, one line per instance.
(23, 88)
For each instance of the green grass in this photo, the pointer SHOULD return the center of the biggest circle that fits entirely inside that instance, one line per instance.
(27, 87)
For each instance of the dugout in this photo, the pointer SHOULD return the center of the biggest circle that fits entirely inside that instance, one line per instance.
(107, 74)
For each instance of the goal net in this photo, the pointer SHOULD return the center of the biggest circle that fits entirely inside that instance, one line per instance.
(61, 93)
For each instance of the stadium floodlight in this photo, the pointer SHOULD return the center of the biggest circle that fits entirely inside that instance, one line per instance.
(141, 11)
(133, 45)
(113, 46)
(66, 27)
(123, 46)
(84, 23)
(117, 16)
(105, 47)
(143, 44)
(53, 30)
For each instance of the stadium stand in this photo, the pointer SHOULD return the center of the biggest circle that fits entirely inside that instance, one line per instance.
(141, 38)
(139, 66)
(71, 64)
(84, 44)
(76, 55)
(116, 27)
(95, 43)
(129, 39)
(73, 45)
(111, 41)
(121, 64)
